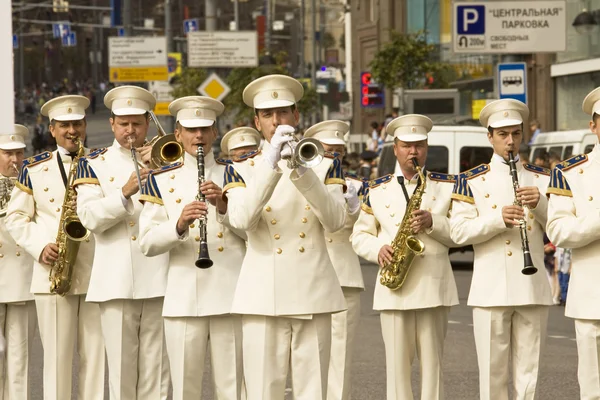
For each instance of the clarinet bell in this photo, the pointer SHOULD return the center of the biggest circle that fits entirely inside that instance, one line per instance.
(203, 261)
(528, 268)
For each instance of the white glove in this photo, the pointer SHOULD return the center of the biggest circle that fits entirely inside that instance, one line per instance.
(2, 346)
(351, 197)
(281, 136)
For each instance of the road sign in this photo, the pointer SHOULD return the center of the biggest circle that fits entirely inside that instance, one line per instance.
(223, 49)
(190, 25)
(121, 32)
(70, 40)
(371, 93)
(137, 59)
(174, 64)
(512, 81)
(61, 29)
(214, 87)
(162, 92)
(15, 41)
(510, 26)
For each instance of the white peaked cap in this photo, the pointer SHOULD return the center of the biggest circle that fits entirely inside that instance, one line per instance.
(14, 140)
(129, 100)
(505, 112)
(240, 137)
(196, 111)
(329, 132)
(410, 127)
(65, 108)
(272, 91)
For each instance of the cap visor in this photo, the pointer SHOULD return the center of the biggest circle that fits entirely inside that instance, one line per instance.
(412, 137)
(333, 141)
(129, 111)
(243, 144)
(505, 122)
(69, 117)
(12, 146)
(273, 104)
(196, 123)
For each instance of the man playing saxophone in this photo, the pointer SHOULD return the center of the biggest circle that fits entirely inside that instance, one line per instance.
(130, 287)
(33, 220)
(509, 308)
(198, 301)
(17, 308)
(414, 317)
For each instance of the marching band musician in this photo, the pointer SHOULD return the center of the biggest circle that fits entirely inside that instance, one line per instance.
(573, 222)
(240, 141)
(17, 308)
(345, 262)
(129, 288)
(198, 301)
(287, 288)
(510, 310)
(33, 220)
(414, 317)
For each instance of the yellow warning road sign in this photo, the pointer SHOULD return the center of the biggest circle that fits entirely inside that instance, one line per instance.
(214, 87)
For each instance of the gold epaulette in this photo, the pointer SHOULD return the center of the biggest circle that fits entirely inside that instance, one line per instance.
(37, 159)
(473, 172)
(166, 168)
(97, 152)
(373, 183)
(437, 176)
(572, 162)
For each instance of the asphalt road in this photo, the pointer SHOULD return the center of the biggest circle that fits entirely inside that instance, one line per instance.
(558, 371)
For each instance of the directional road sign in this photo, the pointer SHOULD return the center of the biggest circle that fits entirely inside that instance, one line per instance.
(61, 29)
(70, 40)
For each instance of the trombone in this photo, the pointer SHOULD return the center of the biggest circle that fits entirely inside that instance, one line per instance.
(165, 148)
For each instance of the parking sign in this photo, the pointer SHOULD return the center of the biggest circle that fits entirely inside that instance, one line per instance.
(471, 20)
(512, 81)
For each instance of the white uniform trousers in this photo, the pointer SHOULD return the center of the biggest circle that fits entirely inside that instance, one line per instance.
(588, 350)
(271, 344)
(407, 331)
(133, 332)
(64, 321)
(504, 333)
(187, 341)
(17, 323)
(344, 325)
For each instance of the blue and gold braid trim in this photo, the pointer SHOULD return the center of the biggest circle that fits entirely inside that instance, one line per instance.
(331, 154)
(439, 177)
(85, 173)
(150, 191)
(572, 162)
(376, 182)
(223, 161)
(461, 191)
(558, 184)
(24, 181)
(39, 158)
(97, 152)
(247, 156)
(166, 168)
(232, 179)
(335, 175)
(535, 168)
(366, 203)
(473, 172)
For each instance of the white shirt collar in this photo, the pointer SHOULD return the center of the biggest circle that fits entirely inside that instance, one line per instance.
(398, 172)
(191, 162)
(499, 158)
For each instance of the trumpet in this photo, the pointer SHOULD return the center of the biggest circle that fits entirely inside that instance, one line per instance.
(203, 260)
(6, 186)
(165, 148)
(528, 267)
(307, 153)
(135, 162)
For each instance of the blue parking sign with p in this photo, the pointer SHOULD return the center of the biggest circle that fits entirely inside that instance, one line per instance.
(471, 20)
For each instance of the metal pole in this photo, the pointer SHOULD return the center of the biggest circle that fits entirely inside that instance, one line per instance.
(313, 70)
(127, 18)
(301, 66)
(168, 28)
(210, 9)
(348, 48)
(94, 53)
(236, 13)
(268, 27)
(21, 56)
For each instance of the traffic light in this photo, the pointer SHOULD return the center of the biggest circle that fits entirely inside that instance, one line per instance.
(371, 93)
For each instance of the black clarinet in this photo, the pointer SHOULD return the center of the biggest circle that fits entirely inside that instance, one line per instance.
(528, 268)
(203, 260)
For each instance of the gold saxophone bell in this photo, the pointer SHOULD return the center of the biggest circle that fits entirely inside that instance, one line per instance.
(165, 148)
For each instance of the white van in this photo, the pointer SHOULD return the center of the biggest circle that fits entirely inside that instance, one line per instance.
(563, 143)
(452, 149)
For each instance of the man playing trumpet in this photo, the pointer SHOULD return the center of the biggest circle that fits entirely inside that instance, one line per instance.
(129, 288)
(509, 308)
(34, 220)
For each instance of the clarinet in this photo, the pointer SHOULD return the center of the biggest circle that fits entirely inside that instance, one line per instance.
(528, 268)
(203, 260)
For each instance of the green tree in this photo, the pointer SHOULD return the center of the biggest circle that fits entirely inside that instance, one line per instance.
(327, 41)
(188, 82)
(407, 61)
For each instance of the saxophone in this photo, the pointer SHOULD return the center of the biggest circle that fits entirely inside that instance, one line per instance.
(406, 245)
(7, 183)
(71, 233)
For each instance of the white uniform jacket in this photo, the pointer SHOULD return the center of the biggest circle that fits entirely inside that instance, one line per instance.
(287, 270)
(430, 281)
(574, 223)
(479, 196)
(191, 291)
(16, 269)
(33, 216)
(121, 270)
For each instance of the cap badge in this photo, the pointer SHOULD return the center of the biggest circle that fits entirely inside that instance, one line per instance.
(12, 137)
(413, 129)
(505, 113)
(274, 95)
(242, 139)
(69, 110)
(129, 102)
(337, 133)
(197, 112)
